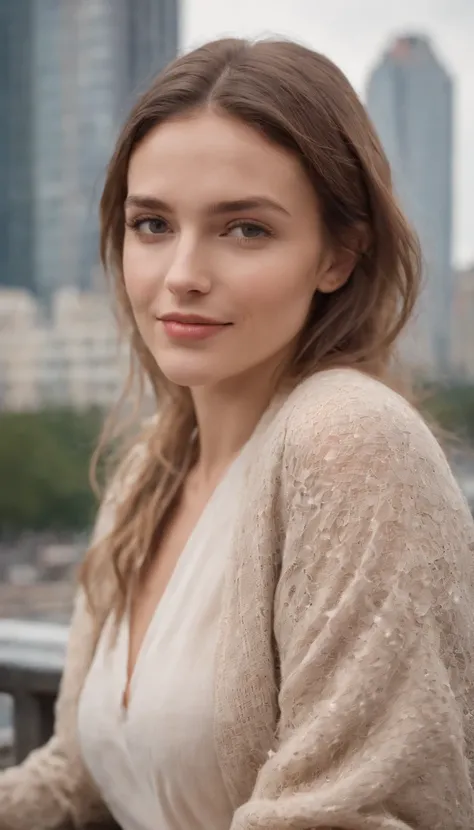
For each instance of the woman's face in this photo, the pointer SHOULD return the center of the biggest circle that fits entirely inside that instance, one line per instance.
(223, 251)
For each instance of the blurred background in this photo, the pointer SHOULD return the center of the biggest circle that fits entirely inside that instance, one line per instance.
(69, 71)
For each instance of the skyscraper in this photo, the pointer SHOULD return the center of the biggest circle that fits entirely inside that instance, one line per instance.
(410, 100)
(69, 71)
(90, 59)
(16, 151)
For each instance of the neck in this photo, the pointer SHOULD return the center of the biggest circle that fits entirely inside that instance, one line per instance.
(226, 418)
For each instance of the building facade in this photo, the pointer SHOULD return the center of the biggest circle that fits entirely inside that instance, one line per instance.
(21, 345)
(92, 59)
(71, 357)
(17, 232)
(410, 100)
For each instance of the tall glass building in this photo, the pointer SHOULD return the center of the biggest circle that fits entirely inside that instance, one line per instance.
(79, 65)
(410, 100)
(17, 231)
(93, 57)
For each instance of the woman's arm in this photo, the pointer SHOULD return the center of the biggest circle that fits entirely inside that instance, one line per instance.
(51, 788)
(374, 623)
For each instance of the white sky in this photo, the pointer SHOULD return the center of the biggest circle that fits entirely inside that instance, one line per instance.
(353, 33)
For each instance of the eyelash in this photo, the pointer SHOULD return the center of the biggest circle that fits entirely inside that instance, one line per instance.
(134, 224)
(266, 232)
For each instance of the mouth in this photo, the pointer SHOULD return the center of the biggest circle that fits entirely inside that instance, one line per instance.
(191, 320)
(191, 326)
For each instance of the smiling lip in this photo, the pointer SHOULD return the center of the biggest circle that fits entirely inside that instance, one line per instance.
(190, 326)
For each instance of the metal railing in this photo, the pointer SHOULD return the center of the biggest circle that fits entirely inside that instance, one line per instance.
(31, 662)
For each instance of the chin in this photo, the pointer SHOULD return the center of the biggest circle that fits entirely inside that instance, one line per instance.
(190, 373)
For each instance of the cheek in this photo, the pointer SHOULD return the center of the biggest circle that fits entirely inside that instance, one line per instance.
(280, 288)
(139, 274)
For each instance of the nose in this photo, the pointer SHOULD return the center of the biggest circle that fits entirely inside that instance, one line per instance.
(187, 272)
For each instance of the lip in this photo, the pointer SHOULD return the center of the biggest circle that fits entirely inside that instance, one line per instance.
(191, 319)
(190, 326)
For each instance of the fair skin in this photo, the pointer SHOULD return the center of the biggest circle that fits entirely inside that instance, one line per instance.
(222, 224)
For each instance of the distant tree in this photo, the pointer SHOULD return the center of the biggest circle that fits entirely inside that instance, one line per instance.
(44, 470)
(453, 409)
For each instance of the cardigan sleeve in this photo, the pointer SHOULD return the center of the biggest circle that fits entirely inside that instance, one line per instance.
(374, 626)
(52, 789)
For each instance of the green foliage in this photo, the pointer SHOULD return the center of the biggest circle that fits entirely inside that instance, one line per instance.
(453, 409)
(44, 470)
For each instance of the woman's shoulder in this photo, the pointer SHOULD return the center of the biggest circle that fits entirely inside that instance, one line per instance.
(347, 403)
(349, 439)
(347, 426)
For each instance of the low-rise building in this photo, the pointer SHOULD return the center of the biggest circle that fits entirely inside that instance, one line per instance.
(72, 357)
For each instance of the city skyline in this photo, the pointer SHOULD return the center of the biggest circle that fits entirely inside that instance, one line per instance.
(66, 161)
(354, 35)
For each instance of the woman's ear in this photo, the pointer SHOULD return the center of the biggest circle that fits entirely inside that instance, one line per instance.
(343, 259)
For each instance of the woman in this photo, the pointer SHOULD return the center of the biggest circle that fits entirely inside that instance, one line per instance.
(275, 623)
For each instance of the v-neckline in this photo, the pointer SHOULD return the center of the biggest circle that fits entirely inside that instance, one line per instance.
(126, 697)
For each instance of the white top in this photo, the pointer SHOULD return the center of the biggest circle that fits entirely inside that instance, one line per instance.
(155, 763)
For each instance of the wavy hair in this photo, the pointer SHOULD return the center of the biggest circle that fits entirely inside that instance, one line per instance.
(299, 100)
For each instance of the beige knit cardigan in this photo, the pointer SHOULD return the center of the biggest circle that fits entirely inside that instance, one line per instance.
(344, 687)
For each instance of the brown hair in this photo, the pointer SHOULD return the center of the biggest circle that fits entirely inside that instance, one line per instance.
(301, 101)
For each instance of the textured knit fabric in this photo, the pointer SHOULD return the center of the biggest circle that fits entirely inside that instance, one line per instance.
(344, 684)
(139, 757)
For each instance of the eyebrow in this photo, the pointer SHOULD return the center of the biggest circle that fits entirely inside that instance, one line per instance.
(215, 209)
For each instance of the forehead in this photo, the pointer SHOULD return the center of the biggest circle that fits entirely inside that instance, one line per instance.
(214, 154)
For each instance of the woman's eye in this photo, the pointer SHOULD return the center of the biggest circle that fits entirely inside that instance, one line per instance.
(150, 227)
(248, 230)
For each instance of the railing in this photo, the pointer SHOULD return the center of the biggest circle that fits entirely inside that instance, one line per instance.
(31, 663)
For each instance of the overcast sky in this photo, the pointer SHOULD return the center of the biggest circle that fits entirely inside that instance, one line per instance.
(353, 33)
